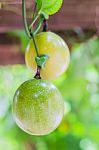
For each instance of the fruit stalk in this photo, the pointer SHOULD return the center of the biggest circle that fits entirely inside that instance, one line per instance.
(32, 35)
(45, 26)
(37, 76)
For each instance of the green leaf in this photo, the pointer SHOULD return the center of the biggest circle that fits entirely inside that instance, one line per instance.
(48, 3)
(41, 60)
(49, 7)
(54, 8)
(39, 4)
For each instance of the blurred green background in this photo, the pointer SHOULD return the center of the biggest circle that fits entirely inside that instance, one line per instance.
(79, 86)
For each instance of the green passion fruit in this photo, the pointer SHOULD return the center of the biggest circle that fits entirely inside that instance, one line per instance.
(55, 47)
(38, 107)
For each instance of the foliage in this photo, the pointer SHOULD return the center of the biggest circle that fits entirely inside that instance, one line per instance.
(79, 129)
(49, 7)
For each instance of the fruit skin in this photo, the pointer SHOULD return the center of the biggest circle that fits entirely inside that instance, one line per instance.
(54, 46)
(38, 107)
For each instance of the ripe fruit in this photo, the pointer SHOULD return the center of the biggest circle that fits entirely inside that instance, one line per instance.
(54, 46)
(38, 107)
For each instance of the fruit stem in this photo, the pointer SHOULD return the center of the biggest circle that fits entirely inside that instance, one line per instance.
(45, 26)
(37, 76)
(29, 32)
(32, 35)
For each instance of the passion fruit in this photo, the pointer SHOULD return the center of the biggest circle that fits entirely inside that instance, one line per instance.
(55, 47)
(38, 107)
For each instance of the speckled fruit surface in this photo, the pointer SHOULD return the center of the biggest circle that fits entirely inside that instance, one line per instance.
(38, 107)
(54, 46)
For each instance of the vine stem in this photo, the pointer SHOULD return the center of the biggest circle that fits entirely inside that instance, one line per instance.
(34, 11)
(25, 19)
(33, 21)
(38, 27)
(28, 31)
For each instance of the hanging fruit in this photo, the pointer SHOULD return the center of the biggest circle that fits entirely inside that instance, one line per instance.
(38, 106)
